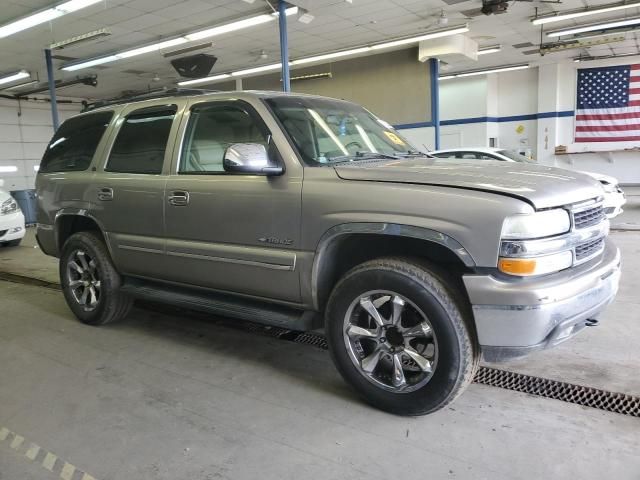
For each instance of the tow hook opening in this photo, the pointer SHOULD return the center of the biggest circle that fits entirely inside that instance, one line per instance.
(592, 322)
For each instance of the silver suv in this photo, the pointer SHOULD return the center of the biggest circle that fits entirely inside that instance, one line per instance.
(307, 212)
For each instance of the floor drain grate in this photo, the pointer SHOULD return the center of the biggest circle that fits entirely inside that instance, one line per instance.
(567, 392)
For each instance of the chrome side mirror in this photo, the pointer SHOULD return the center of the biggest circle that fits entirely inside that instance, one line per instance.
(249, 158)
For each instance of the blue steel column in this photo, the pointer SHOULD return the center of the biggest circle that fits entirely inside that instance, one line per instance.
(52, 90)
(284, 46)
(435, 100)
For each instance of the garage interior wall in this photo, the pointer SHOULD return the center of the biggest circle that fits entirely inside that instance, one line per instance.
(508, 106)
(25, 130)
(393, 85)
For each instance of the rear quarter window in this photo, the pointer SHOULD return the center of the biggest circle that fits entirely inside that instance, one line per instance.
(72, 147)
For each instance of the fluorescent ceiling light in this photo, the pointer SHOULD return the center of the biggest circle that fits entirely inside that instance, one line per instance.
(205, 80)
(328, 56)
(44, 16)
(20, 85)
(103, 32)
(583, 13)
(8, 168)
(595, 27)
(189, 37)
(492, 49)
(484, 72)
(263, 68)
(14, 76)
(426, 36)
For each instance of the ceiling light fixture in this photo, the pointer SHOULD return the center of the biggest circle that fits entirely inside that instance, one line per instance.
(172, 42)
(559, 17)
(20, 85)
(85, 37)
(486, 71)
(14, 76)
(214, 78)
(491, 49)
(44, 16)
(595, 27)
(332, 55)
(304, 16)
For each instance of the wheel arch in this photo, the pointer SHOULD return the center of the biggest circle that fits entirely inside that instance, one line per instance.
(347, 245)
(70, 221)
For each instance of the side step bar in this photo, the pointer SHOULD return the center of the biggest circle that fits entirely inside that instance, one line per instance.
(221, 304)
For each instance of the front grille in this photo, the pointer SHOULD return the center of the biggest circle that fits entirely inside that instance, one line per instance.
(588, 217)
(587, 249)
(2, 232)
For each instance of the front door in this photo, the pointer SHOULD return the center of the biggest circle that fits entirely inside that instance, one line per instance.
(129, 189)
(231, 232)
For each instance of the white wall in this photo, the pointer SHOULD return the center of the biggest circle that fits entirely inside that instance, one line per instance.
(544, 89)
(25, 130)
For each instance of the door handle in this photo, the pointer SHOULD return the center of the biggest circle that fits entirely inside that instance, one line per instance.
(179, 198)
(105, 194)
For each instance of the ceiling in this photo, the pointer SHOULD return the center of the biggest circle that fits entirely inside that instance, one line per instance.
(338, 24)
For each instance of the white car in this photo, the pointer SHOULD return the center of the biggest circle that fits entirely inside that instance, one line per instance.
(614, 197)
(12, 228)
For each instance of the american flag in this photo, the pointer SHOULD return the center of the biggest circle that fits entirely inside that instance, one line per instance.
(608, 104)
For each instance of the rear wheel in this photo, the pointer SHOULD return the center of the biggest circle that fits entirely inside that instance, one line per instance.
(90, 282)
(397, 334)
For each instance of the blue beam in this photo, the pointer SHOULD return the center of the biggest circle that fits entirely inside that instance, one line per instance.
(52, 90)
(284, 46)
(434, 71)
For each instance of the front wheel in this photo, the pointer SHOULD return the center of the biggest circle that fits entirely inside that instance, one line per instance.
(396, 333)
(90, 282)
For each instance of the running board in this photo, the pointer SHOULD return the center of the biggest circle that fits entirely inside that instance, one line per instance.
(220, 304)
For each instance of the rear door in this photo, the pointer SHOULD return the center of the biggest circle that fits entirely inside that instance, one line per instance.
(232, 232)
(128, 187)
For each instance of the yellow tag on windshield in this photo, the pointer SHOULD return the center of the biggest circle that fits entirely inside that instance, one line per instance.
(394, 138)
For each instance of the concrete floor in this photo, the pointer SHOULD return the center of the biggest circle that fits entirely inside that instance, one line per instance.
(161, 396)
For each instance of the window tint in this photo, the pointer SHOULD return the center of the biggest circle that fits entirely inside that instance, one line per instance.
(211, 129)
(142, 141)
(75, 142)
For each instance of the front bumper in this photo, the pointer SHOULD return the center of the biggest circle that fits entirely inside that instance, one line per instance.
(613, 203)
(517, 316)
(11, 227)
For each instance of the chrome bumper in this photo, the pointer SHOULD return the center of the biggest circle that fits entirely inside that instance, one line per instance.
(516, 317)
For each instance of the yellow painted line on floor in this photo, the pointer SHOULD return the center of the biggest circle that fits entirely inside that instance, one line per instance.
(50, 460)
(17, 442)
(67, 471)
(32, 452)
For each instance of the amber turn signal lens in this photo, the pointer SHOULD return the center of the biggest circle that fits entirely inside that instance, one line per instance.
(517, 266)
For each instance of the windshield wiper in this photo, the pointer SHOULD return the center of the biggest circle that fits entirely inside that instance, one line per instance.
(363, 156)
(414, 153)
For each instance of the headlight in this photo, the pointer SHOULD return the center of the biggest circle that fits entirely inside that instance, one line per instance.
(609, 187)
(525, 267)
(8, 206)
(536, 225)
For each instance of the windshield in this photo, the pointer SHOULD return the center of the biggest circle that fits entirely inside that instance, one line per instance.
(515, 156)
(329, 131)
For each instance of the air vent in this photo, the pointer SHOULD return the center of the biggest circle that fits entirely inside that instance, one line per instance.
(64, 58)
(523, 45)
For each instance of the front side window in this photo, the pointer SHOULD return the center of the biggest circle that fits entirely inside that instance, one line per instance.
(516, 156)
(142, 140)
(72, 147)
(211, 130)
(327, 131)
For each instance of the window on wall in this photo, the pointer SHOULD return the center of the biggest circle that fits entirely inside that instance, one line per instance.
(211, 130)
(142, 140)
(73, 145)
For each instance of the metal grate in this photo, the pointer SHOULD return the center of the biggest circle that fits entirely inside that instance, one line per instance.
(567, 392)
(588, 217)
(587, 249)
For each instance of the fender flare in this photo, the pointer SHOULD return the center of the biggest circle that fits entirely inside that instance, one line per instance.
(391, 229)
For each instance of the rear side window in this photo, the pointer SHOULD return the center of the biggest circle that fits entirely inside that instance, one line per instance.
(72, 147)
(142, 141)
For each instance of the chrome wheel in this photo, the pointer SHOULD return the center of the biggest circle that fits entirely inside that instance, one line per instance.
(390, 341)
(83, 280)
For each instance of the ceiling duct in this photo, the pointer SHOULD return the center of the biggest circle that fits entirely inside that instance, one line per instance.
(194, 66)
(447, 47)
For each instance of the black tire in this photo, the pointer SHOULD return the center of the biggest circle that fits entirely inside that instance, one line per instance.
(444, 307)
(12, 243)
(112, 305)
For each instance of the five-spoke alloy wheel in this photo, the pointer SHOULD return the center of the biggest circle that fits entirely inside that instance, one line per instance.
(83, 279)
(397, 333)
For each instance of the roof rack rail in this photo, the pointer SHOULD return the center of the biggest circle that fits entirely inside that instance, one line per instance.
(171, 92)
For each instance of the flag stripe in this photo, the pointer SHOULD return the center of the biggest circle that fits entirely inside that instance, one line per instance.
(608, 121)
(607, 139)
(607, 128)
(616, 134)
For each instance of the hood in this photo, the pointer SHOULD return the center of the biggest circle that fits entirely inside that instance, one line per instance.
(541, 186)
(602, 178)
(4, 195)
